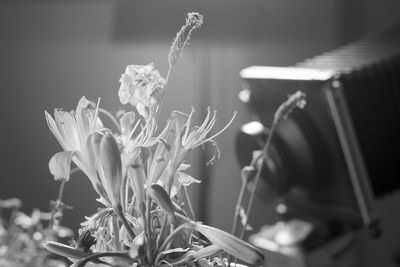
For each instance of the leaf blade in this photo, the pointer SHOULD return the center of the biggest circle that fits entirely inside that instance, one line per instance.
(158, 193)
(64, 250)
(231, 244)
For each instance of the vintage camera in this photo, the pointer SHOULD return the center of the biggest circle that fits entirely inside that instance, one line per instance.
(329, 161)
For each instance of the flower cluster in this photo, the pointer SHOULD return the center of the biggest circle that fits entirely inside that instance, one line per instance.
(21, 236)
(142, 87)
(140, 175)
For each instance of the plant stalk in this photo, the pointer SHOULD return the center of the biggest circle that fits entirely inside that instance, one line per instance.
(238, 206)
(147, 229)
(124, 221)
(189, 203)
(116, 232)
(58, 202)
(83, 262)
(254, 163)
(169, 239)
(162, 231)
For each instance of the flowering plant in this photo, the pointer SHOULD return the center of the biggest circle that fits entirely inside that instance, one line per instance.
(140, 176)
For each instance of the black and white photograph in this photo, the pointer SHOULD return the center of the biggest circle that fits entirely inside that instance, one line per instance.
(195, 133)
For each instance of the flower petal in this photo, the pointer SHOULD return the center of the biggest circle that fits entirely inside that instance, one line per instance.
(53, 128)
(60, 165)
(84, 117)
(126, 123)
(186, 179)
(216, 153)
(66, 124)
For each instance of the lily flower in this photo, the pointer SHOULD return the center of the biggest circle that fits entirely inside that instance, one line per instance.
(72, 129)
(180, 139)
(168, 144)
(198, 135)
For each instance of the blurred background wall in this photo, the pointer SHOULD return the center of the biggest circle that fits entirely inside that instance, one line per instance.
(54, 52)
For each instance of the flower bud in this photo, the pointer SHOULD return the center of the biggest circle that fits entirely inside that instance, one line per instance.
(110, 168)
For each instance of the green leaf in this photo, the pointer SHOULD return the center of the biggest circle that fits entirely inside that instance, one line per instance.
(95, 258)
(207, 252)
(64, 250)
(162, 198)
(231, 244)
(174, 250)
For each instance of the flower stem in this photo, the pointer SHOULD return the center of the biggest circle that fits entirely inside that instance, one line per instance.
(163, 94)
(147, 229)
(238, 206)
(83, 262)
(58, 204)
(124, 221)
(251, 199)
(61, 191)
(116, 232)
(162, 231)
(254, 163)
(189, 203)
(168, 240)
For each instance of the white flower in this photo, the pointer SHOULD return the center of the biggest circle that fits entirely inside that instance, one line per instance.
(142, 86)
(72, 130)
(178, 139)
(191, 138)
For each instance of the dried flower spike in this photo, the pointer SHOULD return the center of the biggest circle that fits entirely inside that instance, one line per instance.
(297, 99)
(193, 21)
